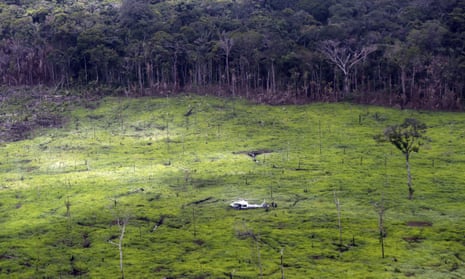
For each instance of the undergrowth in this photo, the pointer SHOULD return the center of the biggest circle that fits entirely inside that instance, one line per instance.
(171, 166)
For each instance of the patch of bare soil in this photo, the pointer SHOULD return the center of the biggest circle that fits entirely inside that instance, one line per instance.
(24, 110)
(413, 239)
(254, 153)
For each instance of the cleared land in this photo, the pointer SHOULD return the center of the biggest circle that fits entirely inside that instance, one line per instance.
(171, 167)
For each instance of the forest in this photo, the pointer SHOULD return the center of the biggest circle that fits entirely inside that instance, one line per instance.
(128, 127)
(406, 54)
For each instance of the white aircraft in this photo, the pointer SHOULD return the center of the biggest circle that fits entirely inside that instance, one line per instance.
(243, 204)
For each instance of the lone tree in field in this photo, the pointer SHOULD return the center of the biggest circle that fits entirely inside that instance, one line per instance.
(407, 137)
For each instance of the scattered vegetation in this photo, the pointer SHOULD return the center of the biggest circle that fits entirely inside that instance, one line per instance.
(156, 182)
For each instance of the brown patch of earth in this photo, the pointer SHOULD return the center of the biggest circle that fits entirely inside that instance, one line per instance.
(413, 239)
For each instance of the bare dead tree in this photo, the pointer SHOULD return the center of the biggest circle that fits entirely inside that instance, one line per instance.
(257, 244)
(193, 221)
(338, 208)
(68, 207)
(121, 222)
(345, 57)
(381, 209)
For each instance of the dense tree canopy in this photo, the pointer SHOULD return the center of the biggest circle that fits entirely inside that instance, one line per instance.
(266, 49)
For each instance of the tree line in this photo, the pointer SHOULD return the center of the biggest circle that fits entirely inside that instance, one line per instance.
(391, 52)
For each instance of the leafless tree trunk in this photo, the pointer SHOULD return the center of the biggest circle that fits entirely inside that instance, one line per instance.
(68, 207)
(257, 243)
(338, 208)
(175, 68)
(381, 231)
(381, 209)
(409, 176)
(122, 226)
(403, 78)
(226, 44)
(273, 78)
(139, 76)
(120, 245)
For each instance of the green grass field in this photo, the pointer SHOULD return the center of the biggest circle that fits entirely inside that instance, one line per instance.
(172, 175)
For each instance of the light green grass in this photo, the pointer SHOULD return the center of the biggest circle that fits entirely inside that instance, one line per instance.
(104, 157)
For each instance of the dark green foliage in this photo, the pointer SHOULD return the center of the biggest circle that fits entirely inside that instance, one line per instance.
(159, 47)
(407, 137)
(137, 19)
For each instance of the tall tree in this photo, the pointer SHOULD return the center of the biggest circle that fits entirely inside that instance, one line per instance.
(345, 57)
(136, 17)
(267, 45)
(226, 43)
(407, 137)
